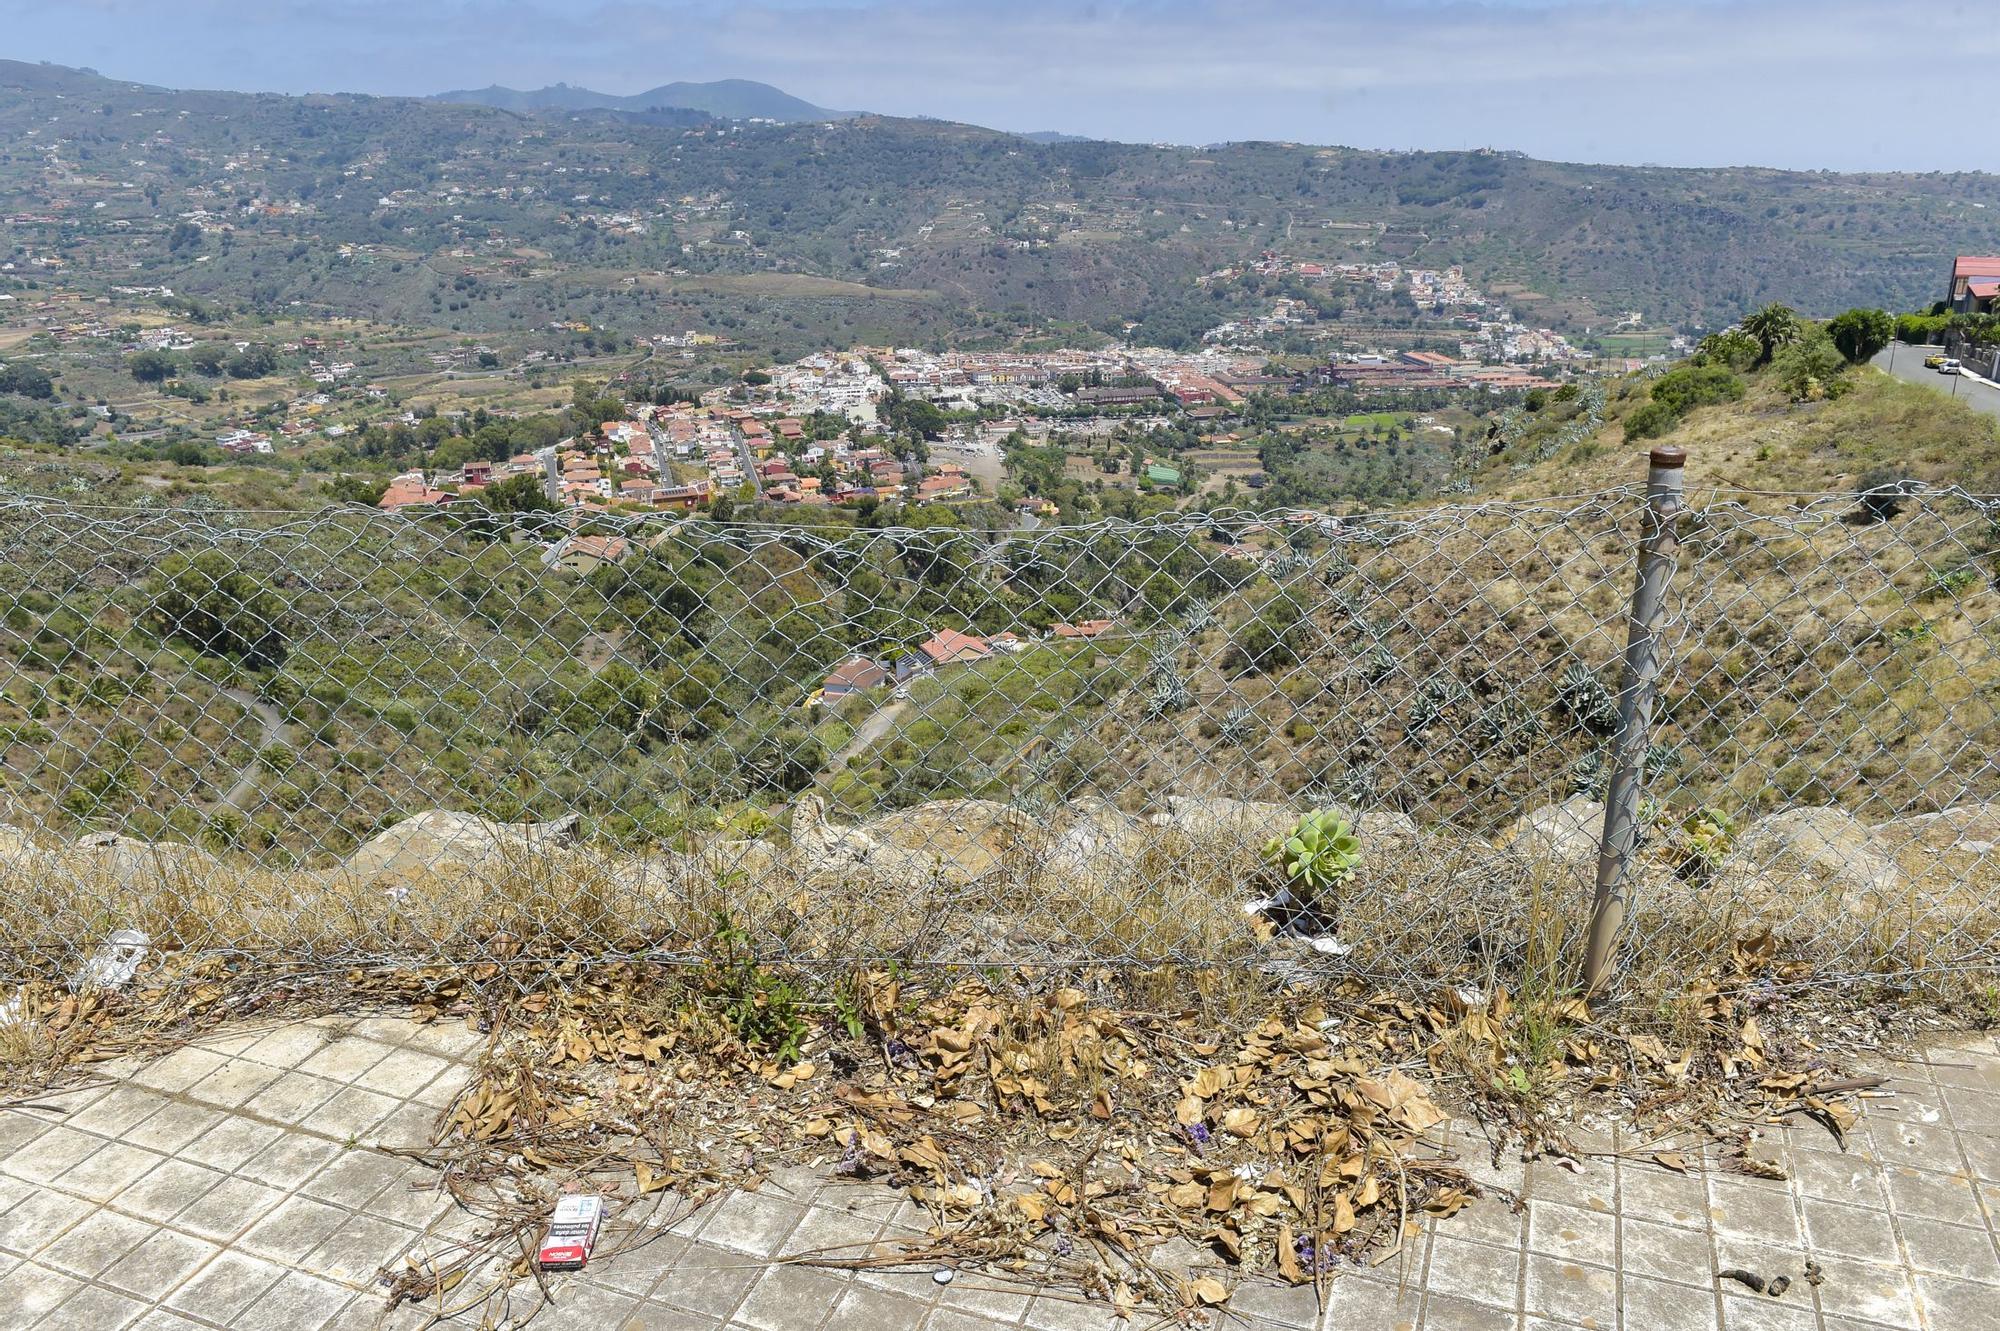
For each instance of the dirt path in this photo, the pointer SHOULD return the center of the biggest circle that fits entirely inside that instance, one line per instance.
(273, 732)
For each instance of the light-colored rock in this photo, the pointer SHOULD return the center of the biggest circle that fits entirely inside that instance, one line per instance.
(1215, 817)
(442, 841)
(1969, 829)
(1806, 862)
(128, 860)
(961, 839)
(1565, 834)
(1093, 837)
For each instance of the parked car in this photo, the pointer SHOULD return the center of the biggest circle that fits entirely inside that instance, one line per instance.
(1950, 365)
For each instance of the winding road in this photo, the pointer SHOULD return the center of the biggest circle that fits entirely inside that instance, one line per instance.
(1907, 362)
(273, 732)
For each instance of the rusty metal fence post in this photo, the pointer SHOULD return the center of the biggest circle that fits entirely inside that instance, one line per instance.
(1659, 547)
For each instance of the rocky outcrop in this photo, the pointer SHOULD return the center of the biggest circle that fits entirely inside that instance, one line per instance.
(1564, 834)
(1965, 829)
(1810, 862)
(442, 842)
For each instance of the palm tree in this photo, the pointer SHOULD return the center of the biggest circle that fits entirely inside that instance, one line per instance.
(1773, 326)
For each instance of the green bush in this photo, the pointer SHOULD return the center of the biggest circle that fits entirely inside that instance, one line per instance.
(1650, 420)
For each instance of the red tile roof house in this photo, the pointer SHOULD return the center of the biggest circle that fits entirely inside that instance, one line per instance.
(1089, 628)
(855, 675)
(949, 646)
(1966, 270)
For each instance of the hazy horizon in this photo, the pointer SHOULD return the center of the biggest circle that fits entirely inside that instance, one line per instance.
(1798, 84)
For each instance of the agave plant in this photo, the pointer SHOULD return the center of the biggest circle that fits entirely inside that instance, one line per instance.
(1239, 726)
(1583, 695)
(1321, 851)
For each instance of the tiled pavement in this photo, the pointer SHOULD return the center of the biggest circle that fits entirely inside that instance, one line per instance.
(237, 1183)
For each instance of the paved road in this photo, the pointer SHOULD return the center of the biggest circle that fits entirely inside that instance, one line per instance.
(1909, 364)
(874, 729)
(273, 732)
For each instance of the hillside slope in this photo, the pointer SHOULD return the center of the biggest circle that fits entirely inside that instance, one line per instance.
(1000, 227)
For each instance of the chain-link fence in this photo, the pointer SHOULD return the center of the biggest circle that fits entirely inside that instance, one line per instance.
(347, 737)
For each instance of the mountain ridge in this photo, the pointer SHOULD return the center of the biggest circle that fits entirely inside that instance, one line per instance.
(725, 99)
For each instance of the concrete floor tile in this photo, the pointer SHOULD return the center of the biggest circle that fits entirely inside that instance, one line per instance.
(708, 1281)
(293, 1229)
(179, 1070)
(159, 1319)
(100, 1309)
(1475, 1271)
(1665, 1252)
(1839, 1176)
(118, 1111)
(351, 1114)
(159, 1264)
(1662, 1196)
(107, 1172)
(31, 1291)
(353, 1177)
(635, 1263)
(298, 1302)
(173, 1127)
(1768, 1215)
(830, 1232)
(865, 1309)
(356, 1253)
(1442, 1312)
(18, 1127)
(289, 1045)
(33, 1224)
(1853, 1231)
(230, 1144)
(1868, 1292)
(1950, 1250)
(791, 1298)
(94, 1244)
(232, 1083)
(225, 1286)
(953, 1319)
(228, 1208)
(290, 1160)
(752, 1222)
(1932, 1146)
(402, 1072)
(1753, 1312)
(1959, 1305)
(291, 1099)
(345, 1059)
(979, 1293)
(1489, 1220)
(1972, 1108)
(1656, 1305)
(53, 1154)
(1571, 1232)
(1571, 1292)
(1370, 1305)
(1928, 1196)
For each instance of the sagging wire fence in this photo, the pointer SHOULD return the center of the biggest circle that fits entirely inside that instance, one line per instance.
(347, 738)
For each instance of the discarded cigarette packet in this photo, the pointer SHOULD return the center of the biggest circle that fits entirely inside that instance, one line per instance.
(572, 1233)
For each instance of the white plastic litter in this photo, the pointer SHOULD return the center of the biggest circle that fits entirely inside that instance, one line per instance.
(114, 963)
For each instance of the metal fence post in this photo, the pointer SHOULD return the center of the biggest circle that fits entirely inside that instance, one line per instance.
(1658, 548)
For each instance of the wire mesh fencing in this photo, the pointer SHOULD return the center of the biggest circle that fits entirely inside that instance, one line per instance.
(345, 737)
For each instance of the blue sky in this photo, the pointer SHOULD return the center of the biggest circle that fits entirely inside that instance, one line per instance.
(1832, 84)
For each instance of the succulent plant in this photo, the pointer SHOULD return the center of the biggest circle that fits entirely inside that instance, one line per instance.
(1322, 850)
(1583, 695)
(1239, 725)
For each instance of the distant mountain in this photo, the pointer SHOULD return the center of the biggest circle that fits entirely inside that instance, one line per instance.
(1055, 136)
(728, 99)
